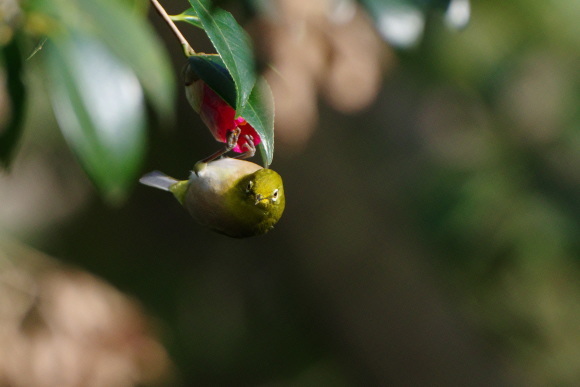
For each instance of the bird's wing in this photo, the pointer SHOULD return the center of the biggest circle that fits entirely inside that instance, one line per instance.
(158, 179)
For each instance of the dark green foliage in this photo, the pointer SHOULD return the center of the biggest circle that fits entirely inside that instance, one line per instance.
(99, 60)
(11, 56)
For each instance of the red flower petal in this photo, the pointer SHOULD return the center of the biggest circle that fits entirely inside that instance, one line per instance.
(220, 119)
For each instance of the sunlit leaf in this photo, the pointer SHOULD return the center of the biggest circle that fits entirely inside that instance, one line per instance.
(232, 44)
(399, 22)
(139, 6)
(17, 94)
(457, 13)
(99, 106)
(126, 33)
(131, 38)
(402, 22)
(259, 112)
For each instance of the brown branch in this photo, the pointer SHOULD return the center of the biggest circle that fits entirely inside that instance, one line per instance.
(187, 50)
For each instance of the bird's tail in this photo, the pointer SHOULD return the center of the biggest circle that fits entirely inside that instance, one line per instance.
(158, 179)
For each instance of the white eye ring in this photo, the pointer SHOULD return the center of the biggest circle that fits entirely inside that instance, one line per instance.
(275, 195)
(249, 186)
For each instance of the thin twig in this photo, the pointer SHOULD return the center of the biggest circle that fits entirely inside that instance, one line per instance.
(187, 50)
(37, 48)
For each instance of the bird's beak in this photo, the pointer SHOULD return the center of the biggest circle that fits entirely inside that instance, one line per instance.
(260, 198)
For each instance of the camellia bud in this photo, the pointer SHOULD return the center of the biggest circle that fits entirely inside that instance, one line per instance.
(216, 113)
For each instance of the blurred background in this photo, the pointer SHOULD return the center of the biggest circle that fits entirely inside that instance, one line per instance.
(431, 234)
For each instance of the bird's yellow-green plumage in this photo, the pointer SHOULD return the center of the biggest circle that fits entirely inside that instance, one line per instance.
(234, 197)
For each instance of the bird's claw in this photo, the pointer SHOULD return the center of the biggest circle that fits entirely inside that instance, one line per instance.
(231, 142)
(232, 139)
(250, 146)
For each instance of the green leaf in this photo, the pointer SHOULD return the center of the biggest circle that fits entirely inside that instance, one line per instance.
(211, 69)
(232, 44)
(127, 34)
(402, 22)
(131, 38)
(399, 22)
(259, 112)
(457, 13)
(17, 93)
(188, 16)
(138, 6)
(99, 106)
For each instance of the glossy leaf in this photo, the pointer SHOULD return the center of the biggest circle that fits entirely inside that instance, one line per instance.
(188, 16)
(10, 134)
(232, 44)
(99, 106)
(259, 112)
(212, 70)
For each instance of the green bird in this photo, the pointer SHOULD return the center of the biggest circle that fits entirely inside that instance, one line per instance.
(234, 197)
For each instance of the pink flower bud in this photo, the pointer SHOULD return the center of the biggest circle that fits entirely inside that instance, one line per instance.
(218, 115)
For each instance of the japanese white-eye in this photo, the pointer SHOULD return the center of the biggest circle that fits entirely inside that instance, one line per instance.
(234, 197)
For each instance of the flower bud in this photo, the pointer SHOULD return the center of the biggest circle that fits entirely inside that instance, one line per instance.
(216, 113)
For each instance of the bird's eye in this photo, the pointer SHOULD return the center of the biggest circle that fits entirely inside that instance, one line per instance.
(249, 186)
(275, 195)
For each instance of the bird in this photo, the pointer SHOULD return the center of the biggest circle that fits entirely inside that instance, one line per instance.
(229, 195)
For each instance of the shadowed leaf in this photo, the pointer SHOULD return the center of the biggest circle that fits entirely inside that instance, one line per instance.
(212, 70)
(17, 93)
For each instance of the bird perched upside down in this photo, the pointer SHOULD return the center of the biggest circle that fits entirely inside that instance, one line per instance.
(232, 196)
